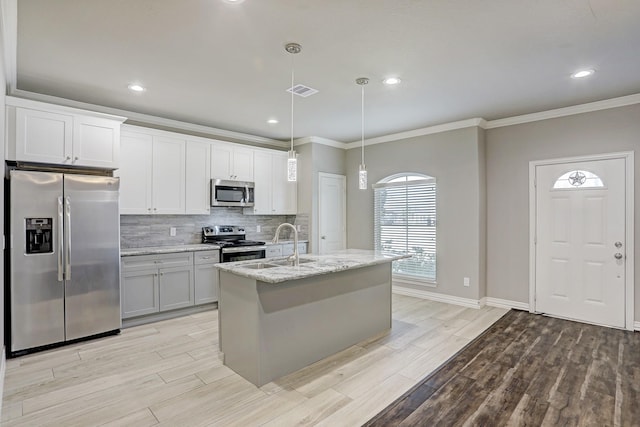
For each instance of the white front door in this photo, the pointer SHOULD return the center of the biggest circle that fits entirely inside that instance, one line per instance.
(580, 241)
(332, 212)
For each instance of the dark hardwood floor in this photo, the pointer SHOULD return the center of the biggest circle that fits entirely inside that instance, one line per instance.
(530, 370)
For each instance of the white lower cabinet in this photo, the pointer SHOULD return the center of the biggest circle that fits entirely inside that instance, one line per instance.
(139, 292)
(156, 283)
(273, 251)
(284, 249)
(176, 288)
(206, 276)
(287, 248)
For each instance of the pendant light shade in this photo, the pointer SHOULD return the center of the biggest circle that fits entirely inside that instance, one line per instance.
(292, 160)
(362, 170)
(292, 166)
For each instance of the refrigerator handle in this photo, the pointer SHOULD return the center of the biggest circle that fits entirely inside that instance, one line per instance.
(67, 258)
(60, 239)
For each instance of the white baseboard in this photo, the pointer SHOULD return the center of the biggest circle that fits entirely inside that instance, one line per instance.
(434, 296)
(3, 369)
(636, 326)
(505, 303)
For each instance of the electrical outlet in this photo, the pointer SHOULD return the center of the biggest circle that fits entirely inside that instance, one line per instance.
(172, 231)
(466, 282)
(258, 229)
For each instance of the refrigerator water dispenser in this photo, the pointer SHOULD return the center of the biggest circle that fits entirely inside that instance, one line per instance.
(39, 235)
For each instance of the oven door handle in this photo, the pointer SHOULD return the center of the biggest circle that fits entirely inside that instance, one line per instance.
(237, 249)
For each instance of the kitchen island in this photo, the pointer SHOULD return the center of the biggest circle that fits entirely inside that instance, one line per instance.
(275, 319)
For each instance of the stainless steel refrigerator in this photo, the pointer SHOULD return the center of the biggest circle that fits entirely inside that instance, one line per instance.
(64, 258)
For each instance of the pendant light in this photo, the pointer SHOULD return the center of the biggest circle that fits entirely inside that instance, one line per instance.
(292, 160)
(362, 170)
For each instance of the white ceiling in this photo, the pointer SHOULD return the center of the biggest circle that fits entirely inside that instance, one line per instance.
(223, 65)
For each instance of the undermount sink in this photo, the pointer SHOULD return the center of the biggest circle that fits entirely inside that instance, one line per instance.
(260, 265)
(285, 262)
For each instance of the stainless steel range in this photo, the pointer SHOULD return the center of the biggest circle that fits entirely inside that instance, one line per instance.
(232, 242)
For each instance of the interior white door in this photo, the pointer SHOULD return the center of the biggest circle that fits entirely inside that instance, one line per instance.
(580, 241)
(332, 217)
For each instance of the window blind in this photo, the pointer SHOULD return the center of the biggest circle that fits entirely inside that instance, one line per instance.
(405, 222)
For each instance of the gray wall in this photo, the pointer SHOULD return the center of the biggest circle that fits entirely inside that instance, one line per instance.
(455, 159)
(153, 230)
(315, 158)
(509, 151)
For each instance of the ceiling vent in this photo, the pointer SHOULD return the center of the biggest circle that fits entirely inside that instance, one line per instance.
(302, 90)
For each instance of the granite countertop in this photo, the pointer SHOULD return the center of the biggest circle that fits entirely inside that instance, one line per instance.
(155, 250)
(310, 265)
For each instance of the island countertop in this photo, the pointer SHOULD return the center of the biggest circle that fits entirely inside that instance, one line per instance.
(310, 265)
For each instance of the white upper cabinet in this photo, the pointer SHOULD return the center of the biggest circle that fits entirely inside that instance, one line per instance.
(135, 174)
(168, 175)
(52, 134)
(262, 170)
(96, 142)
(230, 162)
(274, 195)
(152, 174)
(43, 137)
(198, 176)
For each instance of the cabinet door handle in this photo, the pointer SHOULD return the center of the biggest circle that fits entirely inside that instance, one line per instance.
(75, 159)
(162, 274)
(206, 257)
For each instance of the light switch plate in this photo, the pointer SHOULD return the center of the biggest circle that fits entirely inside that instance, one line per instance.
(172, 231)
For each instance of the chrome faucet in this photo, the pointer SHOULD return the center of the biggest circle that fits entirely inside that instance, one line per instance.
(295, 258)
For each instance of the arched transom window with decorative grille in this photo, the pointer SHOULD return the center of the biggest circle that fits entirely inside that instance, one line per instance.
(405, 222)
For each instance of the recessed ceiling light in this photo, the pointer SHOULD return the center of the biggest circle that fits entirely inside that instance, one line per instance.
(233, 1)
(391, 81)
(582, 74)
(136, 88)
(272, 121)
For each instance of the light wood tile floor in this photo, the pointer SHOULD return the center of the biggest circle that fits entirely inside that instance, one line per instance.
(170, 373)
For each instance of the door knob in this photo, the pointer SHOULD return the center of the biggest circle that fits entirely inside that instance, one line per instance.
(618, 244)
(323, 237)
(618, 255)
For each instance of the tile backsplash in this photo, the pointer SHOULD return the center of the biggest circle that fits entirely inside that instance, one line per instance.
(137, 231)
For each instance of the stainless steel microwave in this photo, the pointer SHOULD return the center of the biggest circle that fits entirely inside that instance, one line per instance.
(231, 193)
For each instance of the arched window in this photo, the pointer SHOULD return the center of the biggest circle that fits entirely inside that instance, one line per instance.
(405, 222)
(578, 179)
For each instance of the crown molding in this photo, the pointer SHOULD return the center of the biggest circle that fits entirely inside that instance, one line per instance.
(9, 23)
(142, 119)
(606, 104)
(319, 140)
(37, 105)
(445, 127)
